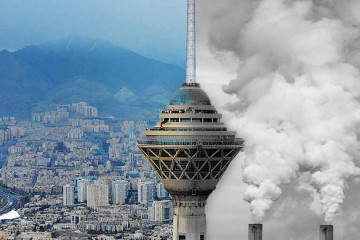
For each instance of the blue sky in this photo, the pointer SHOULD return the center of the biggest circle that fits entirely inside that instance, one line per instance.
(154, 28)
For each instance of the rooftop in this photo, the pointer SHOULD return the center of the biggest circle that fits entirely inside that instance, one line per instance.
(190, 94)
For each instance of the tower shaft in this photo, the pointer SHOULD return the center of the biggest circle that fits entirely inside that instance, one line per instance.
(191, 43)
(189, 218)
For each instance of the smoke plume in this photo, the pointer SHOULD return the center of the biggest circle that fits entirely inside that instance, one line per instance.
(298, 89)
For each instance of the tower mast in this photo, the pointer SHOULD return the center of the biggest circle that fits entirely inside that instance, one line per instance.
(191, 43)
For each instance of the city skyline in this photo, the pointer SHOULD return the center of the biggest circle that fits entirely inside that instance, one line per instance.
(74, 127)
(283, 74)
(89, 169)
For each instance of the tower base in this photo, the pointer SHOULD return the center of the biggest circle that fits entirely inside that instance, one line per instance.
(189, 218)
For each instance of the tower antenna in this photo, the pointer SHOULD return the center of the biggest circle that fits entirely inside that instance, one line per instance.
(191, 43)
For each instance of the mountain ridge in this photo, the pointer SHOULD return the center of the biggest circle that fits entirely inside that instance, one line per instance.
(37, 77)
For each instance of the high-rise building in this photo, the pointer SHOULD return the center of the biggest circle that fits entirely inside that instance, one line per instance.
(82, 189)
(107, 180)
(145, 192)
(97, 194)
(68, 195)
(161, 192)
(161, 211)
(131, 162)
(190, 148)
(119, 191)
(101, 169)
(108, 165)
(75, 133)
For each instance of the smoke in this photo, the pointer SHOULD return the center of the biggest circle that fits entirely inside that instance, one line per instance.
(291, 218)
(298, 89)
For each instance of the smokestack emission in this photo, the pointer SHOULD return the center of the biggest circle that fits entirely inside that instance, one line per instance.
(276, 75)
(255, 231)
(326, 232)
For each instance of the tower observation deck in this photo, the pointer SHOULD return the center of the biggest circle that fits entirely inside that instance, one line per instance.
(190, 149)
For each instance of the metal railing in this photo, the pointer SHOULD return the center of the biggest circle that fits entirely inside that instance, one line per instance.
(189, 112)
(212, 142)
(187, 130)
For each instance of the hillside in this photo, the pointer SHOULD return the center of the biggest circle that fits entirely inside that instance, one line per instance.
(117, 81)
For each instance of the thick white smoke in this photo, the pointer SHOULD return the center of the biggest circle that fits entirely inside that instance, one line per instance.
(298, 87)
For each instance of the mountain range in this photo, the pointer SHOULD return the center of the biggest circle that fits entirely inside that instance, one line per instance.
(119, 82)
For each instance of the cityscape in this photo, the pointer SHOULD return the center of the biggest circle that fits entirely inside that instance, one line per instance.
(120, 120)
(71, 174)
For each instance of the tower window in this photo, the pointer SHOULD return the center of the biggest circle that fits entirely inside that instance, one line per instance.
(207, 119)
(202, 237)
(185, 119)
(182, 237)
(197, 119)
(215, 120)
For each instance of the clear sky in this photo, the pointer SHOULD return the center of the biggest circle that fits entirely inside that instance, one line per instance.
(154, 28)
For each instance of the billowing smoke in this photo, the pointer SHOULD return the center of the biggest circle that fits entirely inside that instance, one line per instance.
(298, 85)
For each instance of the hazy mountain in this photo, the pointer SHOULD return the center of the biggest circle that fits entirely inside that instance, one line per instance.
(117, 81)
(125, 95)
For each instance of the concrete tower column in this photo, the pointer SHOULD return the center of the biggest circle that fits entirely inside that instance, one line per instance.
(326, 232)
(189, 218)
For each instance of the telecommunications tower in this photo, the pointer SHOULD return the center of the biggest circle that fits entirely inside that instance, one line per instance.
(190, 148)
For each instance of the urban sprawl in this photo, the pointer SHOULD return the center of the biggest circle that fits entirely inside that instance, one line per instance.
(71, 174)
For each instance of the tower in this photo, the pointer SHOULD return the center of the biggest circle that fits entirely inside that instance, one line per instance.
(191, 43)
(161, 192)
(160, 211)
(82, 189)
(119, 191)
(326, 232)
(145, 192)
(190, 148)
(68, 195)
(255, 232)
(97, 194)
